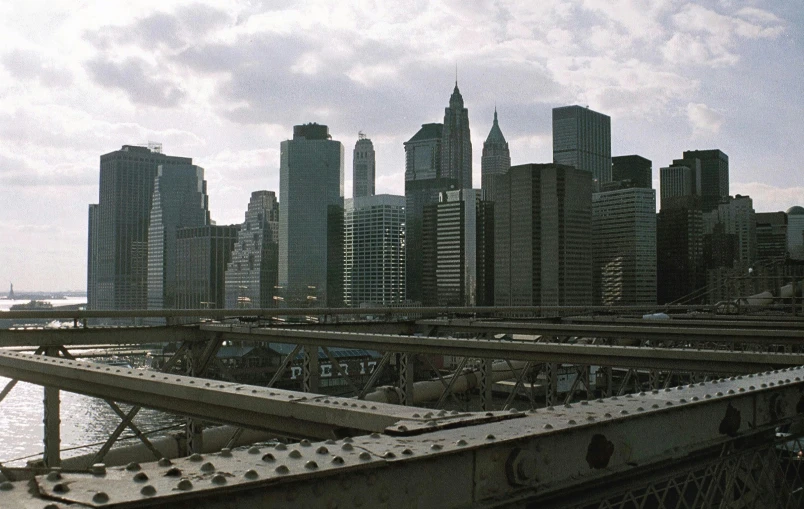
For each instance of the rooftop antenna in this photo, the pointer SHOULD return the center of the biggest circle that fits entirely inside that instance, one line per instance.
(456, 74)
(360, 135)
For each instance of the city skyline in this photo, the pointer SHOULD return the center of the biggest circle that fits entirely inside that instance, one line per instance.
(79, 84)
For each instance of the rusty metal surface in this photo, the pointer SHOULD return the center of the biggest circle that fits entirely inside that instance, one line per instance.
(540, 456)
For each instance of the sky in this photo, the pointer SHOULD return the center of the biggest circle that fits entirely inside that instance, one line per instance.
(224, 83)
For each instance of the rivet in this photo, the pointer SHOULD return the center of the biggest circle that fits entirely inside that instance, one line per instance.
(282, 469)
(100, 497)
(584, 403)
(295, 453)
(442, 413)
(607, 415)
(402, 428)
(148, 491)
(708, 396)
(6, 486)
(642, 393)
(489, 414)
(173, 472)
(207, 467)
(455, 412)
(280, 447)
(60, 488)
(196, 457)
(416, 416)
(140, 477)
(623, 412)
(226, 452)
(571, 422)
(490, 437)
(375, 435)
(365, 456)
(348, 440)
(669, 403)
(311, 465)
(322, 450)
(431, 423)
(251, 474)
(682, 400)
(338, 460)
(764, 386)
(254, 450)
(407, 452)
(548, 426)
(53, 476)
(373, 407)
(218, 479)
(268, 457)
(731, 391)
(347, 447)
(567, 405)
(330, 441)
(133, 467)
(751, 388)
(305, 443)
(435, 447)
(654, 392)
(428, 415)
(695, 398)
(590, 418)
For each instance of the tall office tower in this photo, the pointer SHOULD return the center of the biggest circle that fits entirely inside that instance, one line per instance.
(363, 167)
(714, 176)
(771, 237)
(423, 183)
(311, 223)
(682, 178)
(458, 250)
(795, 232)
(179, 201)
(202, 255)
(456, 143)
(624, 247)
(124, 209)
(496, 158)
(737, 217)
(92, 256)
(679, 243)
(542, 228)
(632, 171)
(252, 275)
(374, 251)
(582, 139)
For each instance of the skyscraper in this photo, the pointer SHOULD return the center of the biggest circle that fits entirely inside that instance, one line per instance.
(458, 250)
(682, 178)
(632, 171)
(311, 223)
(542, 228)
(374, 258)
(624, 247)
(123, 216)
(252, 273)
(496, 158)
(771, 237)
(202, 255)
(737, 217)
(679, 243)
(92, 257)
(423, 182)
(714, 176)
(363, 167)
(582, 139)
(795, 232)
(456, 143)
(179, 201)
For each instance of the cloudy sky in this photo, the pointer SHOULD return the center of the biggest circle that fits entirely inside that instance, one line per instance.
(224, 82)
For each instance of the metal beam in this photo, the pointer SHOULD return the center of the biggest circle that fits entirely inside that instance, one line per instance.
(98, 336)
(289, 413)
(644, 332)
(607, 448)
(710, 361)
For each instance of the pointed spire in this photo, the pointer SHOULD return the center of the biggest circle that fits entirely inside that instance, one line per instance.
(495, 135)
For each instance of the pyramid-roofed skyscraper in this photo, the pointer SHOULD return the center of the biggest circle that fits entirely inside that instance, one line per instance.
(496, 158)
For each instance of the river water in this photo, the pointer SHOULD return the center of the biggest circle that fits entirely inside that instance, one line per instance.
(84, 420)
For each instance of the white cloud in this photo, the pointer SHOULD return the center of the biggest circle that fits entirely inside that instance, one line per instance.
(704, 120)
(768, 198)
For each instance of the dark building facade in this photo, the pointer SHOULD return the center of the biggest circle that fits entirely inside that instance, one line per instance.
(311, 223)
(423, 183)
(771, 237)
(632, 171)
(679, 241)
(252, 274)
(179, 201)
(363, 167)
(714, 176)
(582, 139)
(458, 250)
(456, 142)
(542, 230)
(123, 216)
(92, 257)
(202, 254)
(496, 158)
